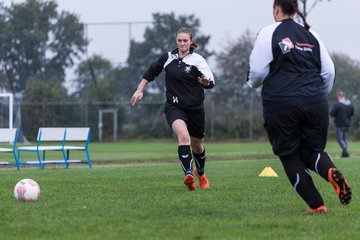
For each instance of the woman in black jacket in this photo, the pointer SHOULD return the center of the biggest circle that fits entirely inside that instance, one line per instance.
(187, 74)
(296, 73)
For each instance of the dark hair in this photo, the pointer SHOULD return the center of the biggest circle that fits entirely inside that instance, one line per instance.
(192, 38)
(290, 7)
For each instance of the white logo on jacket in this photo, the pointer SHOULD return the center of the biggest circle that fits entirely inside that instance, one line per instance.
(286, 45)
(175, 99)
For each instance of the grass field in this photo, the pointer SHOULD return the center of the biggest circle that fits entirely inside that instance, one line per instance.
(143, 197)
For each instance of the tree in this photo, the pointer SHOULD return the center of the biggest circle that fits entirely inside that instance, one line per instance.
(233, 61)
(93, 79)
(37, 41)
(235, 111)
(347, 76)
(41, 105)
(37, 44)
(99, 85)
(232, 68)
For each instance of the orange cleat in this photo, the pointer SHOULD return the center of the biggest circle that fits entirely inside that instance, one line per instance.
(189, 181)
(203, 181)
(340, 185)
(321, 209)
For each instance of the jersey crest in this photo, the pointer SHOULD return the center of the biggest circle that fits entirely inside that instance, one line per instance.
(286, 45)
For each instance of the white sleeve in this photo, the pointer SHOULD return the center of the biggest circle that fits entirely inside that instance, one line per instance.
(327, 71)
(261, 57)
(204, 68)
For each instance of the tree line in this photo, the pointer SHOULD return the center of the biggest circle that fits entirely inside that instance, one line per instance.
(38, 44)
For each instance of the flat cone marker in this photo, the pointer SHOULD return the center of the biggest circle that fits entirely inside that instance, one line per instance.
(268, 172)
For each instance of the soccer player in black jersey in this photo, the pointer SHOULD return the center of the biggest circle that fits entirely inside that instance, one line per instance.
(187, 74)
(296, 73)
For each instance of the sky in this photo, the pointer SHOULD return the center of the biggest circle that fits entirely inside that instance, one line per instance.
(336, 22)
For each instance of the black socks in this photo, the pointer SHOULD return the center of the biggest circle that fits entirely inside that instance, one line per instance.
(185, 158)
(199, 162)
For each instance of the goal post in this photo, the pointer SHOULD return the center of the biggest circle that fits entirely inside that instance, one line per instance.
(101, 124)
(7, 101)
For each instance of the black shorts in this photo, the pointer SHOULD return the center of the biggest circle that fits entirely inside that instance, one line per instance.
(285, 128)
(194, 119)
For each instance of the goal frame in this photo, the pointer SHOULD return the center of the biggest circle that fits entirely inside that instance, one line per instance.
(11, 106)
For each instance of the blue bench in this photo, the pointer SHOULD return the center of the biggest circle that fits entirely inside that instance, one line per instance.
(8, 136)
(58, 139)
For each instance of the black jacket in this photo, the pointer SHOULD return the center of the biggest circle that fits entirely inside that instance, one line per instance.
(182, 86)
(342, 112)
(292, 65)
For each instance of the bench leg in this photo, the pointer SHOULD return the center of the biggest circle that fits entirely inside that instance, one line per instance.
(16, 161)
(66, 158)
(88, 158)
(18, 158)
(40, 162)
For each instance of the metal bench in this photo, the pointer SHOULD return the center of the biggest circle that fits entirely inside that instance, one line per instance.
(9, 136)
(79, 135)
(55, 136)
(57, 139)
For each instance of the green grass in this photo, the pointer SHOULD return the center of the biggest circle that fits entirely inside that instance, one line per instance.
(159, 151)
(149, 201)
(166, 151)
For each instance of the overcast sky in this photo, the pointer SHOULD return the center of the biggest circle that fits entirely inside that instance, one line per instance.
(335, 21)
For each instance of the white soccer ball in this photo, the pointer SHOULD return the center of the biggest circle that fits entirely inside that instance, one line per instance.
(27, 190)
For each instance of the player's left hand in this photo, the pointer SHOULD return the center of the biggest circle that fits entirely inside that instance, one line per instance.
(204, 81)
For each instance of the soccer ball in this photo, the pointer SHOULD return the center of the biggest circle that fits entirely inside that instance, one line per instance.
(27, 190)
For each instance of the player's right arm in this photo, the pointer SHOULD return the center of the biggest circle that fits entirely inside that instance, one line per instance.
(261, 56)
(153, 71)
(138, 94)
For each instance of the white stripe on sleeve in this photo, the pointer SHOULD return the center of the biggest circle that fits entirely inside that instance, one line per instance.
(261, 56)
(327, 66)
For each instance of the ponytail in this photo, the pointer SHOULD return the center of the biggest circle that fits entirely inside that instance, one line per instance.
(306, 25)
(290, 7)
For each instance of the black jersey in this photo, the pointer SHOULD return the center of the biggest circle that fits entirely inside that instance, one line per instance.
(292, 65)
(182, 86)
(342, 112)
